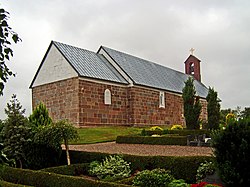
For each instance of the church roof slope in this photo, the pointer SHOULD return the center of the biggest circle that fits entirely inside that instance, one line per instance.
(150, 74)
(89, 64)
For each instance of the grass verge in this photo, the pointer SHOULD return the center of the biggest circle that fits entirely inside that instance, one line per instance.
(91, 135)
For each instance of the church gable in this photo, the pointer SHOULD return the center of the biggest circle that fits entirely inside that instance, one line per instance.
(54, 67)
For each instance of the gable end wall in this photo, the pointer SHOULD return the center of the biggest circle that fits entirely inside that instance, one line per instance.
(61, 99)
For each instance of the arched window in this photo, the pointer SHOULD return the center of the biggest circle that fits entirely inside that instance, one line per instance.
(162, 100)
(107, 97)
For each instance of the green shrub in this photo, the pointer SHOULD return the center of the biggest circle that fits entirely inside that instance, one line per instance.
(178, 183)
(156, 128)
(154, 178)
(206, 168)
(232, 151)
(161, 140)
(110, 169)
(45, 179)
(40, 116)
(177, 127)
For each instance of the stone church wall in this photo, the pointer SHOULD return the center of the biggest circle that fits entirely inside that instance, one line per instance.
(146, 108)
(61, 99)
(82, 103)
(93, 111)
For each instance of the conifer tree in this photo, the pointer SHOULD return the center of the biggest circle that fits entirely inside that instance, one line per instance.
(40, 116)
(192, 106)
(213, 109)
(16, 131)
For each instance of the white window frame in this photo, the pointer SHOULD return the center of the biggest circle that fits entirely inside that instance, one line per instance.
(107, 97)
(162, 100)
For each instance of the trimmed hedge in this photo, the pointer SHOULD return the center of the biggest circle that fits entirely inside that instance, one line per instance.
(161, 140)
(45, 179)
(186, 132)
(181, 167)
(9, 184)
(146, 132)
(72, 170)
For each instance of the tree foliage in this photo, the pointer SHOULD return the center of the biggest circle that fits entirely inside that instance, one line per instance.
(40, 116)
(192, 106)
(16, 131)
(245, 113)
(232, 152)
(45, 149)
(63, 132)
(6, 36)
(213, 109)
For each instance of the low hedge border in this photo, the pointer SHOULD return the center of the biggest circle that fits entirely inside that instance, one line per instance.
(45, 179)
(186, 132)
(9, 184)
(161, 140)
(181, 167)
(72, 170)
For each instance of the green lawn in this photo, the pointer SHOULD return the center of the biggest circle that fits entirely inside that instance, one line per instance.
(103, 134)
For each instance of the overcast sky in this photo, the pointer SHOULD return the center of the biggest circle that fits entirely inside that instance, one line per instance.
(161, 31)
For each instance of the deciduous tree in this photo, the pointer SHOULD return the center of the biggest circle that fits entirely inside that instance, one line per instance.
(64, 132)
(7, 35)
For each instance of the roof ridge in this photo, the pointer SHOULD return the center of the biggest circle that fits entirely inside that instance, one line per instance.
(56, 42)
(145, 60)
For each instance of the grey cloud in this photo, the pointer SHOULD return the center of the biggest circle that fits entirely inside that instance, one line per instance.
(162, 31)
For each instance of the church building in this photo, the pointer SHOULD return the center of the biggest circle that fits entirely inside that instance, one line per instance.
(109, 87)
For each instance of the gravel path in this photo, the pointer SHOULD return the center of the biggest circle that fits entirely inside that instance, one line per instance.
(143, 149)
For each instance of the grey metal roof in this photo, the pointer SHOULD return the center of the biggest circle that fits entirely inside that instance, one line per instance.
(89, 64)
(147, 73)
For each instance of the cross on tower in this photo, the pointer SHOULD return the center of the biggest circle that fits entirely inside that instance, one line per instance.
(192, 51)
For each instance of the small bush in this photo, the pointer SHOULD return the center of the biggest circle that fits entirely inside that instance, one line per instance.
(156, 128)
(206, 168)
(178, 183)
(110, 169)
(156, 177)
(177, 127)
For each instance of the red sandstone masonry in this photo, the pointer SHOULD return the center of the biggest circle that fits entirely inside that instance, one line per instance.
(93, 111)
(61, 99)
(82, 102)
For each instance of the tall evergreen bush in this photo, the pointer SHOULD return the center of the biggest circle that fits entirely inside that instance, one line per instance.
(40, 116)
(213, 109)
(192, 106)
(16, 131)
(232, 152)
